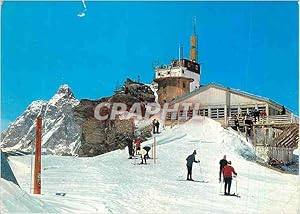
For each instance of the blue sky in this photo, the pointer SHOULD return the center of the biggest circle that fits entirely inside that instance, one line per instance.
(252, 46)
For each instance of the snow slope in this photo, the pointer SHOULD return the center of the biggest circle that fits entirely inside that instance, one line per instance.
(14, 199)
(110, 183)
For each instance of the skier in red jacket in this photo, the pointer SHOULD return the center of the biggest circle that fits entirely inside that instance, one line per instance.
(227, 173)
(137, 143)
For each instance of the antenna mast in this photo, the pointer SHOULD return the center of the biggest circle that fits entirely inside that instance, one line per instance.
(194, 44)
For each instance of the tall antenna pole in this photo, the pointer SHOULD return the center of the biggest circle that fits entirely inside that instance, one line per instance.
(179, 55)
(194, 44)
(195, 33)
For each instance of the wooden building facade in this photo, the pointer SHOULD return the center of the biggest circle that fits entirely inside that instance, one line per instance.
(221, 103)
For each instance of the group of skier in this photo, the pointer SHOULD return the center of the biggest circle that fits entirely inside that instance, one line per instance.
(134, 148)
(226, 171)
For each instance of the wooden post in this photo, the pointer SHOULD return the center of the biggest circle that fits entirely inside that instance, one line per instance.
(37, 162)
(154, 150)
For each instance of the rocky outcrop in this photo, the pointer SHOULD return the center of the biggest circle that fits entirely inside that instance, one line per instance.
(139, 90)
(98, 137)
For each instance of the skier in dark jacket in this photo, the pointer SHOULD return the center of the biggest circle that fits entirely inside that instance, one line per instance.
(129, 141)
(236, 123)
(154, 126)
(157, 126)
(189, 164)
(227, 172)
(223, 162)
(147, 149)
(283, 110)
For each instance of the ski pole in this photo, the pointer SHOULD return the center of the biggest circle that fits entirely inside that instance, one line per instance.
(201, 171)
(236, 185)
(221, 184)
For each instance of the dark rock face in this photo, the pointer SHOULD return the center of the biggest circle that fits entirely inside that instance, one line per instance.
(101, 136)
(141, 91)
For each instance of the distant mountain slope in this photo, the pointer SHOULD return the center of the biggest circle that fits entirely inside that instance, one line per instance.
(60, 132)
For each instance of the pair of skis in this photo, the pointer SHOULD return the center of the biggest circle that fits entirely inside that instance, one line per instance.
(236, 195)
(200, 181)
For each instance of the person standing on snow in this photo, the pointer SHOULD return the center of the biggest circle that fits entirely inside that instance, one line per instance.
(157, 126)
(223, 162)
(189, 164)
(130, 146)
(154, 126)
(137, 143)
(227, 172)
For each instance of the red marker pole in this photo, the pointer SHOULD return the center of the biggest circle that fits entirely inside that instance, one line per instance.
(38, 158)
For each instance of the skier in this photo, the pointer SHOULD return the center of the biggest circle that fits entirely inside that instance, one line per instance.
(256, 115)
(137, 143)
(147, 148)
(223, 162)
(236, 123)
(248, 126)
(189, 164)
(154, 125)
(143, 154)
(130, 146)
(157, 126)
(227, 172)
(283, 110)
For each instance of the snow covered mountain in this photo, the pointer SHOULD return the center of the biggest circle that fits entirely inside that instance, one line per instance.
(111, 183)
(60, 132)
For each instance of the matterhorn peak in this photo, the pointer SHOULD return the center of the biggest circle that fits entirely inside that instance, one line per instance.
(60, 132)
(66, 90)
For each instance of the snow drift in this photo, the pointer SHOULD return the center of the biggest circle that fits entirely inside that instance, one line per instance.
(14, 199)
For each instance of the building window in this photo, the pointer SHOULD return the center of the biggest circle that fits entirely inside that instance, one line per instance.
(217, 113)
(203, 112)
(169, 72)
(183, 85)
(221, 113)
(158, 74)
(261, 108)
(251, 110)
(182, 71)
(214, 113)
(196, 67)
(273, 111)
(244, 111)
(233, 112)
